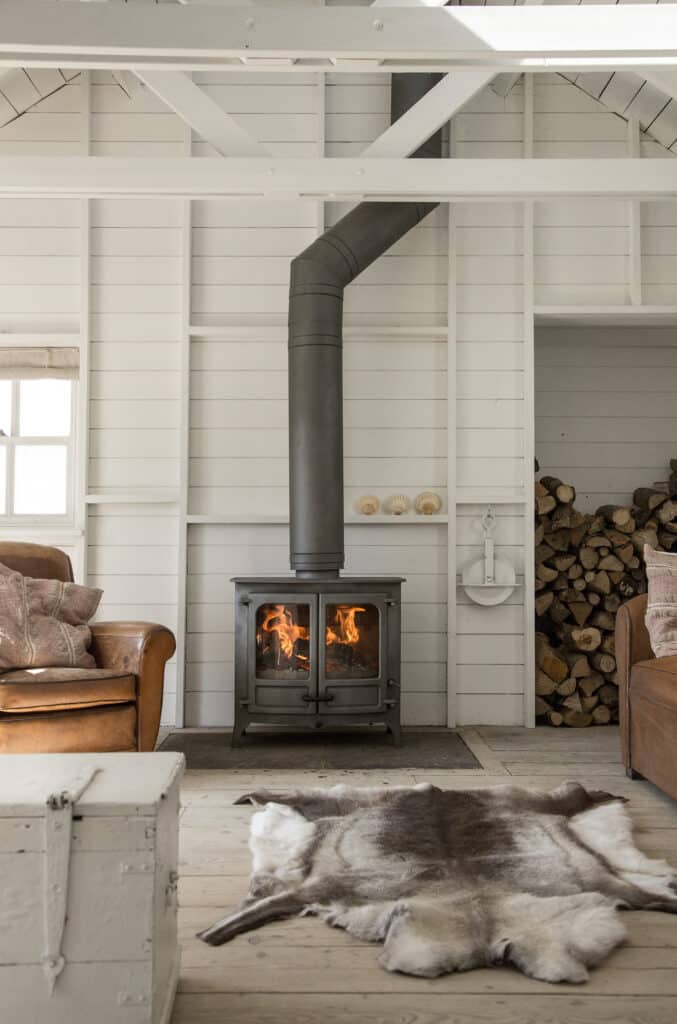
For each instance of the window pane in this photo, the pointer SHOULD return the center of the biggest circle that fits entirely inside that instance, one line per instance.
(3, 478)
(40, 479)
(5, 407)
(45, 408)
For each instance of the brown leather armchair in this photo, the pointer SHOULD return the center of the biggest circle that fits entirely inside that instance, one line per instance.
(648, 701)
(115, 706)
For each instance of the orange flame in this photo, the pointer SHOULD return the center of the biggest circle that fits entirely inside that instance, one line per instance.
(280, 621)
(345, 630)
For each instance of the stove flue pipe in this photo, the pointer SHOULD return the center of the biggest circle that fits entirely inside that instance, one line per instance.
(318, 278)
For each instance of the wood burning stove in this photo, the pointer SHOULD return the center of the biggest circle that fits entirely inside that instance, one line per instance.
(322, 649)
(317, 652)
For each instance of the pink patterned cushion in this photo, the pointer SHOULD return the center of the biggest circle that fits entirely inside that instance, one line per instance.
(661, 613)
(43, 623)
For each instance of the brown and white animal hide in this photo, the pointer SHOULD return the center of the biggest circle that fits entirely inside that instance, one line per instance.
(451, 880)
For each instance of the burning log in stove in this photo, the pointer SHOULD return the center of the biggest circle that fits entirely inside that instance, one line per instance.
(283, 641)
(586, 567)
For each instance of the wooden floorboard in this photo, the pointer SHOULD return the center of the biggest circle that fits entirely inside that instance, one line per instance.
(303, 972)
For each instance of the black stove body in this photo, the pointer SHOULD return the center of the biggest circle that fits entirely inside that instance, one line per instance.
(317, 653)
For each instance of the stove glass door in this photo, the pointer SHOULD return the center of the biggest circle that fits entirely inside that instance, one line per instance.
(352, 653)
(283, 669)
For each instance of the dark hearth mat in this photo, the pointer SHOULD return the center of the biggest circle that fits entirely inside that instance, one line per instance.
(340, 750)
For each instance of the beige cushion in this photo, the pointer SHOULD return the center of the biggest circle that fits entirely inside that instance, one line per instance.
(64, 689)
(43, 623)
(661, 612)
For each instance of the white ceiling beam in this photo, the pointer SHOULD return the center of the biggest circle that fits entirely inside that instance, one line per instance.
(386, 179)
(202, 113)
(664, 79)
(427, 115)
(170, 35)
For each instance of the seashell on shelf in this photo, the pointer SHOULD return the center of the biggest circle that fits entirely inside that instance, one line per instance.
(427, 503)
(368, 505)
(397, 504)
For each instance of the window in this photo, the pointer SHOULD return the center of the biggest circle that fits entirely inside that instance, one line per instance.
(36, 448)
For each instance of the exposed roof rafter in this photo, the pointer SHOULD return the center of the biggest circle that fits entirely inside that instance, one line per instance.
(432, 111)
(202, 113)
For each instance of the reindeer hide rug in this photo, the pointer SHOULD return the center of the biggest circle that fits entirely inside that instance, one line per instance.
(451, 880)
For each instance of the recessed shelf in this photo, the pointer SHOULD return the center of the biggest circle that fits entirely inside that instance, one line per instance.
(609, 316)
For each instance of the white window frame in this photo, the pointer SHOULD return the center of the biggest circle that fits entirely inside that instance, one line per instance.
(14, 441)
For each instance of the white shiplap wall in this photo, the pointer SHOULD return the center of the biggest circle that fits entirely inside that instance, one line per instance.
(606, 408)
(396, 360)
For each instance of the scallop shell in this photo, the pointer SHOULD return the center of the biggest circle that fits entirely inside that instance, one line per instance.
(428, 503)
(368, 505)
(397, 504)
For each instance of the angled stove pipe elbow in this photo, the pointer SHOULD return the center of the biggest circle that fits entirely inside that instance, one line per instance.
(318, 278)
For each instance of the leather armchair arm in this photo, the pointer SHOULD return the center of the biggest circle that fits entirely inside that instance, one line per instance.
(632, 645)
(143, 649)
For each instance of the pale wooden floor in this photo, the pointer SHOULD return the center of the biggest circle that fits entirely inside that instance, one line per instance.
(304, 972)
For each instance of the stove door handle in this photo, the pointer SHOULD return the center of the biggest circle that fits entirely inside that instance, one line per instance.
(307, 699)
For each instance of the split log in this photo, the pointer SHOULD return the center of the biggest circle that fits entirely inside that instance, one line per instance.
(543, 602)
(610, 563)
(564, 493)
(578, 663)
(648, 498)
(587, 639)
(601, 715)
(618, 515)
(591, 683)
(577, 719)
(544, 684)
(545, 504)
(604, 663)
(588, 557)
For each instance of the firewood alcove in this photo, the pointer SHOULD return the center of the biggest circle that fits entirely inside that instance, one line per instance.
(589, 551)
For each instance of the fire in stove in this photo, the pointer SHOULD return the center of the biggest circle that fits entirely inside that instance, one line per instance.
(351, 638)
(282, 640)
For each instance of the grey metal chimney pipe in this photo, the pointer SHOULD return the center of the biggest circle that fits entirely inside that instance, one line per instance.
(318, 277)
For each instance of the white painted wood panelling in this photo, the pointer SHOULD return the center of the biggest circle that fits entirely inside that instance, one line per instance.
(599, 422)
(395, 384)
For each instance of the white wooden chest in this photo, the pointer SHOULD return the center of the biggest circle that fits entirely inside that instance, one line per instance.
(88, 888)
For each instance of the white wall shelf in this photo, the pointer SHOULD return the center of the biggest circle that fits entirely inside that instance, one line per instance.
(132, 498)
(601, 316)
(251, 520)
(226, 330)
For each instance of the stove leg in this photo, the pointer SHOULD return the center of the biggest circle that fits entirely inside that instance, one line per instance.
(395, 732)
(237, 734)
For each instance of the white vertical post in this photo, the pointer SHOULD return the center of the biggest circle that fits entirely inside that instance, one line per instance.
(452, 592)
(184, 447)
(529, 422)
(83, 418)
(634, 224)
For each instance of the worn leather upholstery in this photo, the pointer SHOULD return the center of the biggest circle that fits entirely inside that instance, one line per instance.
(63, 689)
(648, 700)
(114, 707)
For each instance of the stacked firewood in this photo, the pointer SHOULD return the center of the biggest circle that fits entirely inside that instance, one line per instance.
(586, 567)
